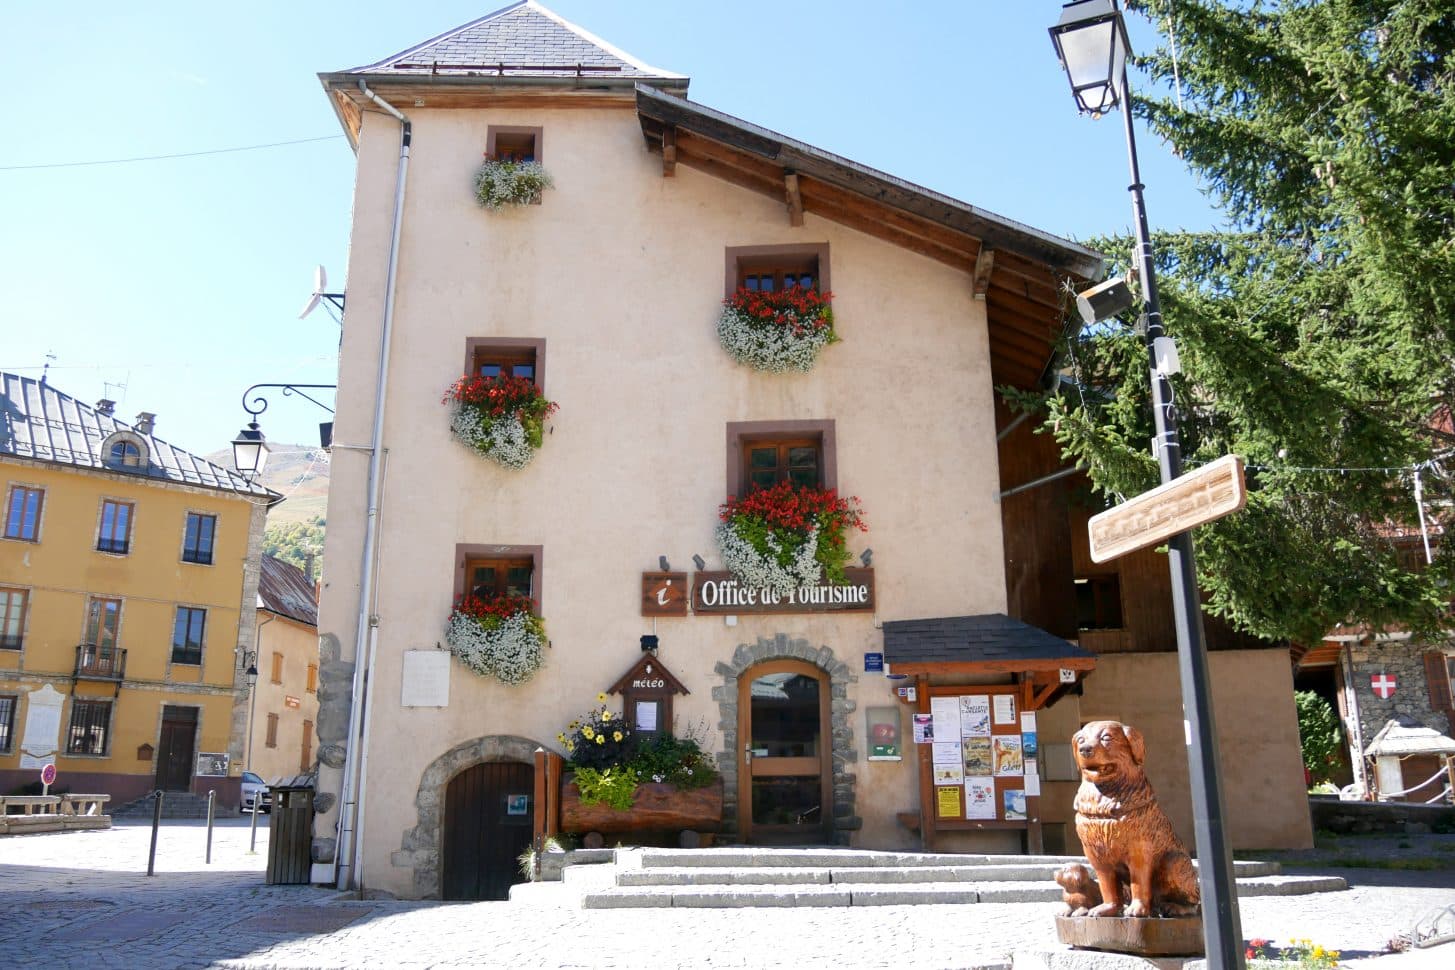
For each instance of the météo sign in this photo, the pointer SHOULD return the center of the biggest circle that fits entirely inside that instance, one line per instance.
(719, 592)
(1196, 498)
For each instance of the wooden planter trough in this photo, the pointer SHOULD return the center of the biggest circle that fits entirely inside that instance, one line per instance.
(658, 808)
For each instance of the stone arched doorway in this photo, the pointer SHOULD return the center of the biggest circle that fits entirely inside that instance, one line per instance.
(835, 676)
(423, 847)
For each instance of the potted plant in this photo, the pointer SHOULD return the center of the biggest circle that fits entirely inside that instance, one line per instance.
(502, 182)
(788, 536)
(498, 637)
(503, 418)
(622, 782)
(777, 331)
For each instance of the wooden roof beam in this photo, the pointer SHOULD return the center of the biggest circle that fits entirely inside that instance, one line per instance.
(984, 264)
(793, 198)
(669, 151)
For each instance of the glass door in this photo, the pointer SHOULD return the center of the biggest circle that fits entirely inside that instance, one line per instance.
(785, 766)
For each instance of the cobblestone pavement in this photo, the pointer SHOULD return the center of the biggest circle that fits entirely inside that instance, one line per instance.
(82, 899)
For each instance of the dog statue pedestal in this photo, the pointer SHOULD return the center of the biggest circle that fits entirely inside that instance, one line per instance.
(1149, 937)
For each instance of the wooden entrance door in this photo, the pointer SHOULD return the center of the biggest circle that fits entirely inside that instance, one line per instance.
(174, 753)
(489, 814)
(785, 768)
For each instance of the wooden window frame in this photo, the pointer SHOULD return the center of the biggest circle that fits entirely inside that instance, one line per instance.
(508, 350)
(311, 685)
(7, 721)
(19, 532)
(466, 553)
(111, 545)
(186, 646)
(739, 260)
(742, 433)
(13, 641)
(86, 632)
(188, 551)
(88, 703)
(305, 760)
(1097, 583)
(536, 133)
(275, 675)
(271, 738)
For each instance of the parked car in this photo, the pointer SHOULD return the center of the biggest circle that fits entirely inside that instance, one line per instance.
(253, 787)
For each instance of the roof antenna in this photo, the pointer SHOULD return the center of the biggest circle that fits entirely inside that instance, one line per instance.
(46, 369)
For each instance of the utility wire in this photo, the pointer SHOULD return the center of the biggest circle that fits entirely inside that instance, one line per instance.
(156, 158)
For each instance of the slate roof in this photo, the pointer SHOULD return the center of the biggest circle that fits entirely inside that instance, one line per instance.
(1405, 736)
(284, 589)
(530, 40)
(37, 421)
(968, 639)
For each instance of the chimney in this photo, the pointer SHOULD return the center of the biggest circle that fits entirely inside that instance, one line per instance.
(144, 422)
(308, 566)
(105, 406)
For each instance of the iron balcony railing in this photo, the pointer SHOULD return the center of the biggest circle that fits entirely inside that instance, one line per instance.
(100, 663)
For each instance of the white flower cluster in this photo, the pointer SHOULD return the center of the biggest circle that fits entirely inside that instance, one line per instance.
(502, 440)
(763, 571)
(498, 184)
(771, 348)
(512, 652)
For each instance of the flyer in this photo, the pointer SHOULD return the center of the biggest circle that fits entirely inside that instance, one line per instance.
(946, 753)
(924, 731)
(1029, 743)
(1006, 754)
(946, 714)
(980, 798)
(974, 715)
(949, 774)
(976, 752)
(1004, 708)
(1028, 722)
(947, 802)
(1015, 803)
(1033, 780)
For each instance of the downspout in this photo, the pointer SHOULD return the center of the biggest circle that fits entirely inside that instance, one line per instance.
(347, 858)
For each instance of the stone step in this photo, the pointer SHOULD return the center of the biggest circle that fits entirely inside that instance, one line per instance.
(882, 894)
(174, 805)
(804, 875)
(742, 858)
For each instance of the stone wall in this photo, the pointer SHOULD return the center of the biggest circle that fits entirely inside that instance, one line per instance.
(1399, 818)
(1405, 661)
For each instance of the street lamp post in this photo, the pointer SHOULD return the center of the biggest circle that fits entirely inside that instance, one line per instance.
(252, 676)
(250, 448)
(1091, 41)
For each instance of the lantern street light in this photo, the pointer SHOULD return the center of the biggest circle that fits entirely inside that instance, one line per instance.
(250, 448)
(1091, 41)
(250, 452)
(252, 675)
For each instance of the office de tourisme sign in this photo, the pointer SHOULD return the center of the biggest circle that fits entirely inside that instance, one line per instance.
(719, 592)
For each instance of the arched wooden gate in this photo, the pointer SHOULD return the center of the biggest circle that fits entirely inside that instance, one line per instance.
(489, 812)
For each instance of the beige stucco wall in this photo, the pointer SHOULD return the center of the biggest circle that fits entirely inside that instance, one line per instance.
(290, 699)
(1262, 771)
(621, 271)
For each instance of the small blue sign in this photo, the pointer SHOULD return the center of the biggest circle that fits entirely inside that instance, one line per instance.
(873, 663)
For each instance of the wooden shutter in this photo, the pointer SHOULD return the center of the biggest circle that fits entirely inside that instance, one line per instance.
(1437, 681)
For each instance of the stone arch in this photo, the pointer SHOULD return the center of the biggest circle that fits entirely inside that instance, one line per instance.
(422, 845)
(840, 674)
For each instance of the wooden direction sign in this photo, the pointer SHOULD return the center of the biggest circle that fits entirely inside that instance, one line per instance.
(1203, 495)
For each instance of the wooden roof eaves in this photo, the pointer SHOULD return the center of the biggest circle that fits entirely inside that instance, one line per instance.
(996, 231)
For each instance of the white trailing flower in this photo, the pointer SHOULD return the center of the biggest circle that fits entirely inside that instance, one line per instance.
(511, 651)
(498, 184)
(775, 348)
(502, 440)
(763, 570)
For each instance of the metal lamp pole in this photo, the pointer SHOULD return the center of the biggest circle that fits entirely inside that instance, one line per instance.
(1222, 930)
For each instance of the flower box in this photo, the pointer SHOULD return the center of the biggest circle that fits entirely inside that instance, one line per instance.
(658, 807)
(502, 418)
(777, 331)
(788, 536)
(500, 637)
(502, 182)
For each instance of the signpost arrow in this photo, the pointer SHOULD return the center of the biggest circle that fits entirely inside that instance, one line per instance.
(1196, 498)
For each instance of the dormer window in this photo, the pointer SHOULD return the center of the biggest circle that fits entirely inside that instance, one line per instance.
(124, 450)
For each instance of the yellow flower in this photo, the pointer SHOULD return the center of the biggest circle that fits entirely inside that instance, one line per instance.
(570, 746)
(606, 716)
(601, 698)
(616, 736)
(588, 732)
(601, 739)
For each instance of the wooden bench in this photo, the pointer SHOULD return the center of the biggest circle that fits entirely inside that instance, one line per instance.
(29, 803)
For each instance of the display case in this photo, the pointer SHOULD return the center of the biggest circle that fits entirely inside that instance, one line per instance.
(883, 733)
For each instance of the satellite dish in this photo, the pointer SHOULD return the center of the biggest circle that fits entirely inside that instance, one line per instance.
(320, 280)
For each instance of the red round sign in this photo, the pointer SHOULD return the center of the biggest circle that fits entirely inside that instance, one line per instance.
(48, 774)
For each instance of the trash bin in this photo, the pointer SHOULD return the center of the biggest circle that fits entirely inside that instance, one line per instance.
(290, 833)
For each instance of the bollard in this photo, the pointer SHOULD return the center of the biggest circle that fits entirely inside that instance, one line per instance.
(253, 836)
(156, 824)
(211, 798)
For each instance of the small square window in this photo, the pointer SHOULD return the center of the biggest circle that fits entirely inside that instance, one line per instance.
(509, 143)
(771, 269)
(506, 357)
(762, 454)
(22, 513)
(492, 578)
(1099, 602)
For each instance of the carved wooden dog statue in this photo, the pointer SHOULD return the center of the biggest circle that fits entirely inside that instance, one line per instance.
(1125, 834)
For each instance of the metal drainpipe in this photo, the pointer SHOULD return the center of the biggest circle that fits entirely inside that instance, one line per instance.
(347, 857)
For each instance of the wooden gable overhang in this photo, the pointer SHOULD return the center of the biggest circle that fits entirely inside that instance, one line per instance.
(1019, 271)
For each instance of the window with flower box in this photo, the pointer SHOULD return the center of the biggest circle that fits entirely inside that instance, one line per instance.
(777, 268)
(514, 143)
(506, 357)
(760, 454)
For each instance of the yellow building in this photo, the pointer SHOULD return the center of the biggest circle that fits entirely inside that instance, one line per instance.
(284, 707)
(128, 580)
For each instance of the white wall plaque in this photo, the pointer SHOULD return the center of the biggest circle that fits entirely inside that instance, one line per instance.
(425, 679)
(41, 740)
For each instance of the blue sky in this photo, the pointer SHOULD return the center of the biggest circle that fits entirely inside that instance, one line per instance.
(182, 279)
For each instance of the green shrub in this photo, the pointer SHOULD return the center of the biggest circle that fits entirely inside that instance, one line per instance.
(1318, 735)
(614, 787)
